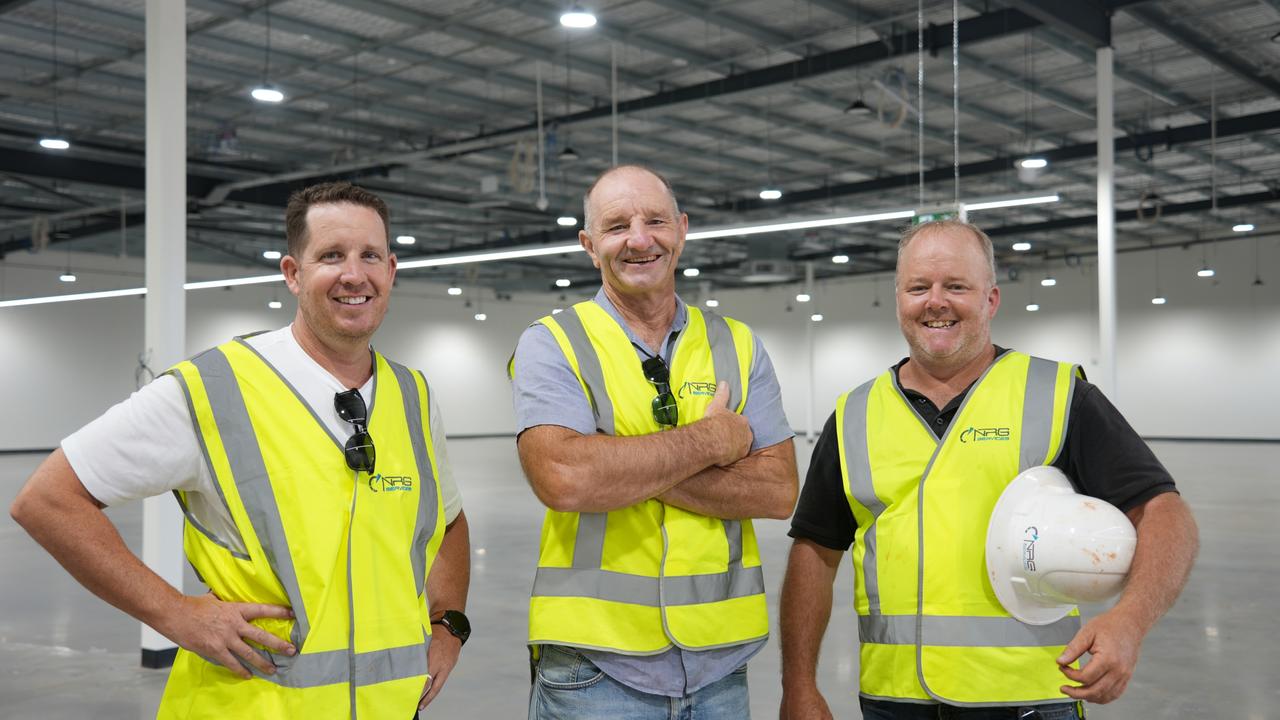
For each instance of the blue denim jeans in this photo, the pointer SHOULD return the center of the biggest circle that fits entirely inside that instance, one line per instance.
(886, 710)
(567, 686)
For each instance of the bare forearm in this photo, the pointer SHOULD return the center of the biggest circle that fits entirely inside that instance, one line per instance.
(598, 473)
(1167, 544)
(806, 610)
(65, 520)
(450, 577)
(764, 484)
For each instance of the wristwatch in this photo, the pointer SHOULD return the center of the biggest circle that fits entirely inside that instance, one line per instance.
(456, 623)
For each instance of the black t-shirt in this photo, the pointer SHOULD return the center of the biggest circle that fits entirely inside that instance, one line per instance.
(1102, 455)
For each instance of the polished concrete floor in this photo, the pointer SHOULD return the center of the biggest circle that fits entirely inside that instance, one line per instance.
(65, 654)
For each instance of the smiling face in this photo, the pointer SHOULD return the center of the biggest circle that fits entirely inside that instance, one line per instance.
(343, 276)
(946, 299)
(636, 234)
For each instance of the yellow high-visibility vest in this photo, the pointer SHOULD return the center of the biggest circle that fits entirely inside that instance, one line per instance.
(348, 552)
(646, 577)
(930, 624)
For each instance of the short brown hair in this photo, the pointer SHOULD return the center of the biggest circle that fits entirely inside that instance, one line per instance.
(330, 193)
(911, 231)
(586, 197)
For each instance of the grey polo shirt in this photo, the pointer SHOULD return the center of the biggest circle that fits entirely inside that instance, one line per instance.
(547, 392)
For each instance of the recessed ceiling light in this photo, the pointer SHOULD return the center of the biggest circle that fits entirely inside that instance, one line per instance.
(271, 254)
(1022, 246)
(839, 259)
(802, 297)
(563, 282)
(578, 18)
(692, 272)
(267, 94)
(67, 276)
(566, 221)
(406, 239)
(455, 290)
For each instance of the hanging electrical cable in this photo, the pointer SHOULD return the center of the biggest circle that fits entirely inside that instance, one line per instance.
(542, 203)
(920, 98)
(955, 100)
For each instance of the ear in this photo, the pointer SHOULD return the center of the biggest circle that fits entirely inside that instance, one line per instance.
(392, 263)
(585, 240)
(290, 268)
(993, 299)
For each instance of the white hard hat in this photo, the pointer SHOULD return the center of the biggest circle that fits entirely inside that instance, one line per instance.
(1049, 548)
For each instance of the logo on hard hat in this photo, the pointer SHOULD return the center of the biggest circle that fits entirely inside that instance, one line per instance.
(1029, 538)
(976, 434)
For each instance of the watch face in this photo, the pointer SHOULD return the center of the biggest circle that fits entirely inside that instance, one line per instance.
(457, 624)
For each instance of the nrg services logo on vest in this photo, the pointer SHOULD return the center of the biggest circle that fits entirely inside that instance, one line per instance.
(390, 483)
(690, 387)
(991, 434)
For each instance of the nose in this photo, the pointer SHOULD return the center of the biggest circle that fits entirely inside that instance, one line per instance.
(353, 270)
(639, 237)
(937, 297)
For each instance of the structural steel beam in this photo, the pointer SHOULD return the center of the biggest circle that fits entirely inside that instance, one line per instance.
(1085, 21)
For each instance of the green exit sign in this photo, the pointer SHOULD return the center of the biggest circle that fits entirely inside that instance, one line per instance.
(949, 212)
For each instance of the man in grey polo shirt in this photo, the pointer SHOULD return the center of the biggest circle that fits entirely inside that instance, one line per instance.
(653, 432)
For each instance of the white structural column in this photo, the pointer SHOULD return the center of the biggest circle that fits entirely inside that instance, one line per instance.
(811, 390)
(1106, 377)
(166, 307)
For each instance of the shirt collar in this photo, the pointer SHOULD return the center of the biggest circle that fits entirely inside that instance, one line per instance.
(677, 323)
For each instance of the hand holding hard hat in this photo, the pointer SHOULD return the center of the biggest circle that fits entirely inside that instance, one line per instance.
(1050, 548)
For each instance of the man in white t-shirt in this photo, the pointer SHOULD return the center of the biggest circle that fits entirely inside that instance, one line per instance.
(276, 554)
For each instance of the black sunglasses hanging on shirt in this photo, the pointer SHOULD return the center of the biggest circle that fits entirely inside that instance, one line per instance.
(359, 450)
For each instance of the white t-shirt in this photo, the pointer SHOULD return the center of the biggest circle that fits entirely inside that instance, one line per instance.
(147, 445)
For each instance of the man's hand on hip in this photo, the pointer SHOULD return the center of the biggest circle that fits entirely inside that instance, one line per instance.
(217, 631)
(1114, 641)
(732, 430)
(442, 655)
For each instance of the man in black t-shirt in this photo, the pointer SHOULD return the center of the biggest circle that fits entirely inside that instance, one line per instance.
(946, 298)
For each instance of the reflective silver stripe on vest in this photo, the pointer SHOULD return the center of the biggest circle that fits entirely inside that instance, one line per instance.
(671, 590)
(334, 666)
(250, 474)
(733, 533)
(588, 544)
(1037, 412)
(858, 469)
(589, 367)
(724, 356)
(425, 526)
(961, 631)
(208, 462)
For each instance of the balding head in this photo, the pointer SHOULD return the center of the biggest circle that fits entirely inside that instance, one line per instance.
(960, 231)
(629, 169)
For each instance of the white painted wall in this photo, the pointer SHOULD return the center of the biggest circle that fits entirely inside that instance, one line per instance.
(1204, 365)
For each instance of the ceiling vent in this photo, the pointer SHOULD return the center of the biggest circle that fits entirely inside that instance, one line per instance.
(768, 271)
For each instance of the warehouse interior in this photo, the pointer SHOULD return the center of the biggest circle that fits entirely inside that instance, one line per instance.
(800, 137)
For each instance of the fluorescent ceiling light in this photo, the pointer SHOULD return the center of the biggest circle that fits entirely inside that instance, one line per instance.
(839, 259)
(1243, 227)
(1022, 246)
(799, 225)
(267, 94)
(67, 276)
(406, 239)
(463, 259)
(1033, 307)
(271, 254)
(1033, 163)
(73, 296)
(566, 221)
(577, 18)
(54, 143)
(1010, 202)
(692, 272)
